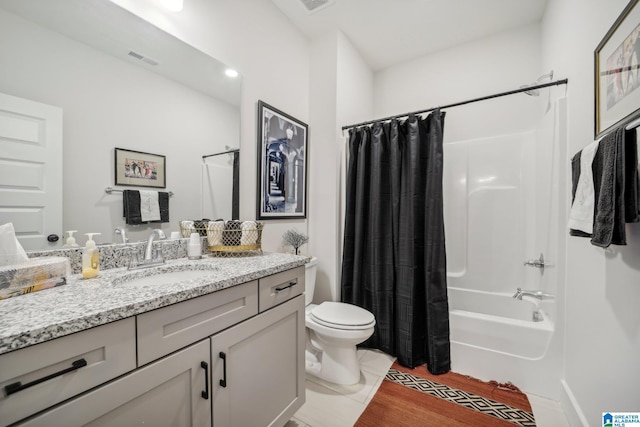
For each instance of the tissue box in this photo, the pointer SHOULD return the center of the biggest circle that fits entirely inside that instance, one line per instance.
(34, 275)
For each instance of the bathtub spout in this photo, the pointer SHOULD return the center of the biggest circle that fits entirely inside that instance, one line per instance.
(535, 294)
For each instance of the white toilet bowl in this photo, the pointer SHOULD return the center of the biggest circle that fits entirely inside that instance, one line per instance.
(334, 329)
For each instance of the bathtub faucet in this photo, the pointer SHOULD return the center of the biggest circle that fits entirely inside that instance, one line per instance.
(535, 294)
(537, 263)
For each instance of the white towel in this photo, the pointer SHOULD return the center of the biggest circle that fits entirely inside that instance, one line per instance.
(249, 233)
(214, 232)
(581, 216)
(149, 206)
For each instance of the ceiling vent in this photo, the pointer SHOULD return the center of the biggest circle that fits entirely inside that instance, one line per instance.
(313, 6)
(142, 58)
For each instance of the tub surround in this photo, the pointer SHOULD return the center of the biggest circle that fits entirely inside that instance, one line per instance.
(83, 304)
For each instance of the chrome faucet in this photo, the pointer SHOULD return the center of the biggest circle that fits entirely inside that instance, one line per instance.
(537, 263)
(122, 232)
(535, 294)
(148, 253)
(149, 260)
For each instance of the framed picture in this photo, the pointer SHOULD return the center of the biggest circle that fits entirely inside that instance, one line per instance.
(282, 165)
(140, 169)
(617, 73)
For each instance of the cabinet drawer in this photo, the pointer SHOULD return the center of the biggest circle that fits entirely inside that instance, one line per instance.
(108, 350)
(281, 287)
(168, 329)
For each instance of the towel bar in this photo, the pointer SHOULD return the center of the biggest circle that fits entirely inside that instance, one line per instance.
(110, 190)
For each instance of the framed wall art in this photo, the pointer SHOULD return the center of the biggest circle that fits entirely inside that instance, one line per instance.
(282, 165)
(617, 72)
(139, 169)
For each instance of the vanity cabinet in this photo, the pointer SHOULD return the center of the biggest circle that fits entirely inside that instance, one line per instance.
(48, 373)
(258, 368)
(163, 393)
(234, 357)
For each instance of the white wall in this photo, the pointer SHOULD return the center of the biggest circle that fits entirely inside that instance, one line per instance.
(341, 94)
(253, 37)
(602, 286)
(489, 65)
(148, 113)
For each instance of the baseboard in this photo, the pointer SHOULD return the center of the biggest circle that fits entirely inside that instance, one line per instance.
(571, 408)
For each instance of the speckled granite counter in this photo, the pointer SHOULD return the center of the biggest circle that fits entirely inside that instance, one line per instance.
(82, 304)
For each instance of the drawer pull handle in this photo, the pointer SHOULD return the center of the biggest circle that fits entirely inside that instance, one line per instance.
(205, 392)
(290, 285)
(223, 381)
(18, 386)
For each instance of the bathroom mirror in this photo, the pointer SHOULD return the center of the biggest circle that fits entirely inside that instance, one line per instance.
(120, 82)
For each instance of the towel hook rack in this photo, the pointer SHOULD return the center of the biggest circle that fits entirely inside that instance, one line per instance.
(110, 190)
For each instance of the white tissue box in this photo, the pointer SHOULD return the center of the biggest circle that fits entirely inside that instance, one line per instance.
(34, 275)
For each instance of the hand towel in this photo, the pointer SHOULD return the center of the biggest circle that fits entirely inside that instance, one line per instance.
(608, 176)
(631, 178)
(163, 202)
(249, 233)
(131, 207)
(582, 209)
(214, 232)
(149, 206)
(186, 228)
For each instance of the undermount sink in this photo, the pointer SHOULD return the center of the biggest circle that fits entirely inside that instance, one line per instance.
(164, 276)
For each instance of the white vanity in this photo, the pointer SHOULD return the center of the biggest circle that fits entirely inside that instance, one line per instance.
(223, 346)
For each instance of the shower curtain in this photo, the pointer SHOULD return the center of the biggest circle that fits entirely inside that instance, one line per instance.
(394, 261)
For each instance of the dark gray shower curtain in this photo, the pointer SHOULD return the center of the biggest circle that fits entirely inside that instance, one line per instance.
(394, 261)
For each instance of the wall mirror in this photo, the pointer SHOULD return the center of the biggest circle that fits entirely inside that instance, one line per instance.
(119, 82)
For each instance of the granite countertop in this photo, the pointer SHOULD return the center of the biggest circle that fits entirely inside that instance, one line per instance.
(82, 304)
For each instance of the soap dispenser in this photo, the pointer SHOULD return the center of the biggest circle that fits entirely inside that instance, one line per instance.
(71, 241)
(90, 258)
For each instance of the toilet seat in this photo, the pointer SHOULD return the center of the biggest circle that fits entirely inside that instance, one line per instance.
(339, 315)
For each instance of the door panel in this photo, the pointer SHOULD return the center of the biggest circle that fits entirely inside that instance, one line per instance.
(31, 169)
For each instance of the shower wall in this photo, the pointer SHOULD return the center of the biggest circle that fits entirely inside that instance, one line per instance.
(489, 211)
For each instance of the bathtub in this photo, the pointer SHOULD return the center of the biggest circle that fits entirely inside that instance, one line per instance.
(494, 337)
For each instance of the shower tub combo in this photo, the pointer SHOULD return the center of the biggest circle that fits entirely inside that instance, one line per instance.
(495, 337)
(501, 197)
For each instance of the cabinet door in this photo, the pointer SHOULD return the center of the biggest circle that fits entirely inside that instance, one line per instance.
(165, 393)
(258, 368)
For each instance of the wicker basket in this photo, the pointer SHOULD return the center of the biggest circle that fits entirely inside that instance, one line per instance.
(227, 238)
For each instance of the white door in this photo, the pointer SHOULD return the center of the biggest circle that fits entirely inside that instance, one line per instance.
(31, 170)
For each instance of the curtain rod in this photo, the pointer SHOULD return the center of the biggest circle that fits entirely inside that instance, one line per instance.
(235, 150)
(469, 101)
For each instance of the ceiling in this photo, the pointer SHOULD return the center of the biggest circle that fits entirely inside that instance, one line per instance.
(387, 32)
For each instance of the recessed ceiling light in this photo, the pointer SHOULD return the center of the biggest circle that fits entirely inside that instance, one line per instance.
(231, 73)
(173, 5)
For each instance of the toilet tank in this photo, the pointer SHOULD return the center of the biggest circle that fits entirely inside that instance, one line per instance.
(311, 268)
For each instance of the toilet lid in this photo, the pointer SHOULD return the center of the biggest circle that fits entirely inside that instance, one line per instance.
(342, 316)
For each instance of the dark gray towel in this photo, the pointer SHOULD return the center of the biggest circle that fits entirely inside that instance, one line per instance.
(608, 179)
(131, 207)
(631, 179)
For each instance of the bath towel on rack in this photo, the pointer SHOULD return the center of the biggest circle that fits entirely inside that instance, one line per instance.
(132, 207)
(582, 209)
(615, 178)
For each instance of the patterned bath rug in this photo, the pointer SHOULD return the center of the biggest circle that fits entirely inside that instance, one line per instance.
(414, 397)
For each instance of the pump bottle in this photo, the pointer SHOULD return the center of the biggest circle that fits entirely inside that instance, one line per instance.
(90, 258)
(71, 241)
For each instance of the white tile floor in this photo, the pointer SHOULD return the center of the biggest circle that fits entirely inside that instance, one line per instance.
(330, 405)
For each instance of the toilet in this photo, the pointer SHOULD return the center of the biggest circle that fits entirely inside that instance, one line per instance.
(334, 329)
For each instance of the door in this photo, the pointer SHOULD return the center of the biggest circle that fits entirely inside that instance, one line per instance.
(258, 368)
(172, 392)
(31, 169)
